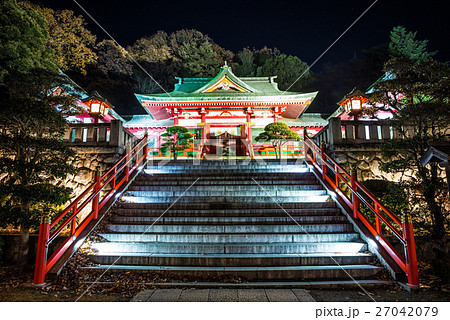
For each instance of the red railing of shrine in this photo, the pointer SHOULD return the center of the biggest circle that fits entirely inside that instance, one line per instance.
(96, 195)
(340, 180)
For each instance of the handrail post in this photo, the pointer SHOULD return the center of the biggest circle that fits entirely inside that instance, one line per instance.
(410, 252)
(324, 166)
(145, 149)
(305, 146)
(377, 219)
(73, 224)
(355, 200)
(95, 201)
(127, 159)
(41, 254)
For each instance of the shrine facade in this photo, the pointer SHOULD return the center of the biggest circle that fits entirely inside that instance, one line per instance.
(224, 107)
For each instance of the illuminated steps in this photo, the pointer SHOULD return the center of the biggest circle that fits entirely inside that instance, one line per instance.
(244, 192)
(268, 273)
(225, 220)
(192, 198)
(260, 223)
(227, 248)
(208, 181)
(233, 188)
(276, 230)
(298, 239)
(230, 207)
(227, 260)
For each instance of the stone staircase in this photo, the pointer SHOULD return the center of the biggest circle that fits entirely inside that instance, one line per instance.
(266, 224)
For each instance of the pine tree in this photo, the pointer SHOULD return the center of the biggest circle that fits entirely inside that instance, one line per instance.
(278, 133)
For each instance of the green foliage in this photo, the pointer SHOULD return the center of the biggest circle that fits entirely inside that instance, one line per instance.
(391, 194)
(33, 155)
(23, 39)
(278, 133)
(113, 59)
(404, 45)
(417, 95)
(176, 139)
(72, 43)
(291, 72)
(247, 67)
(198, 60)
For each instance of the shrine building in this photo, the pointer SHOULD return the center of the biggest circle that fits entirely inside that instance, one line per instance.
(224, 107)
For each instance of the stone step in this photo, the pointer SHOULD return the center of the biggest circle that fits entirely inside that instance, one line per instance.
(215, 213)
(228, 199)
(152, 181)
(355, 284)
(212, 192)
(168, 219)
(229, 248)
(213, 175)
(266, 273)
(229, 206)
(226, 229)
(228, 260)
(216, 170)
(160, 236)
(226, 164)
(228, 188)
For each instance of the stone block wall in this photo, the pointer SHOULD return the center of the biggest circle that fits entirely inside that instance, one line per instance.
(367, 161)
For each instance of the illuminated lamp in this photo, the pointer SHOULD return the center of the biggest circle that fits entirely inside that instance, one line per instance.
(98, 106)
(353, 103)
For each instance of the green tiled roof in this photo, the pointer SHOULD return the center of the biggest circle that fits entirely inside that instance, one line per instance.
(308, 119)
(146, 120)
(259, 88)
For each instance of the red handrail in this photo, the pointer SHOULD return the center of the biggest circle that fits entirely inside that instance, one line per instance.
(403, 230)
(96, 198)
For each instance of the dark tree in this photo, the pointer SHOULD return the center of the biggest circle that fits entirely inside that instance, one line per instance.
(23, 40)
(33, 157)
(417, 93)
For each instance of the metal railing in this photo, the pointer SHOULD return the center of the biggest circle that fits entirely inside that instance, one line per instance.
(354, 194)
(93, 199)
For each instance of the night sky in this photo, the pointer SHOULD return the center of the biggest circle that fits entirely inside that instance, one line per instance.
(301, 28)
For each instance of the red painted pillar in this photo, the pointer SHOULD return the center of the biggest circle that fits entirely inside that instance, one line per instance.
(249, 127)
(175, 120)
(95, 201)
(145, 149)
(41, 254)
(410, 254)
(305, 137)
(127, 161)
(203, 117)
(324, 166)
(355, 199)
(275, 117)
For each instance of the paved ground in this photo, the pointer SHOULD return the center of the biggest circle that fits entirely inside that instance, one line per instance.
(223, 295)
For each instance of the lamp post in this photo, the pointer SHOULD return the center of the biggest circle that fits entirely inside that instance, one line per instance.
(98, 106)
(353, 103)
